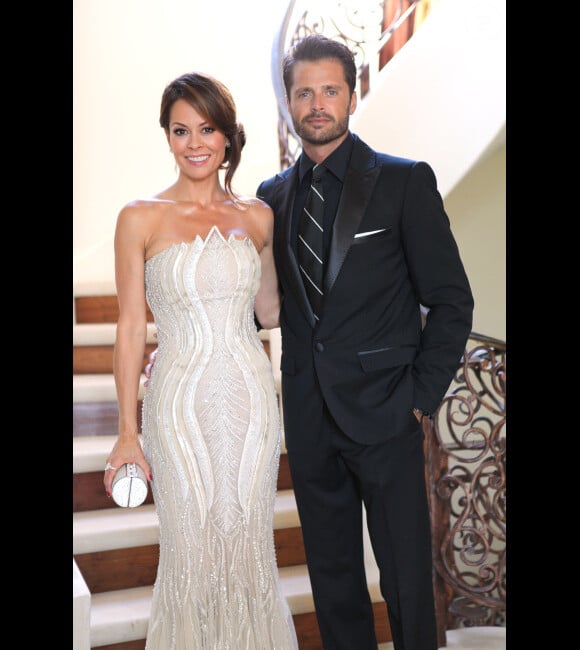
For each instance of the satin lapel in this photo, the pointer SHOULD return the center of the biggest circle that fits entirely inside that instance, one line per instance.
(356, 194)
(289, 262)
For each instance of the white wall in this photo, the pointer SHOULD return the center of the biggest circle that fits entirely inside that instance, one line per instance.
(442, 97)
(125, 51)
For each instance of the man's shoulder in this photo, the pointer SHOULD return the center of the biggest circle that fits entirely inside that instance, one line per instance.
(391, 159)
(280, 177)
(364, 154)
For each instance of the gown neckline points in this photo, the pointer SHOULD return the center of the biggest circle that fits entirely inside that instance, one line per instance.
(204, 240)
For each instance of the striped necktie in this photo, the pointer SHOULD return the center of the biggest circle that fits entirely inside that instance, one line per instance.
(310, 230)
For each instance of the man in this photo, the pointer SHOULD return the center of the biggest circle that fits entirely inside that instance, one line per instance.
(358, 371)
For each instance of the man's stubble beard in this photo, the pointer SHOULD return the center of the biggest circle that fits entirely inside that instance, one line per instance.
(320, 136)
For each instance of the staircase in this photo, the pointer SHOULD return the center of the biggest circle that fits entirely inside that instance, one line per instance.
(116, 550)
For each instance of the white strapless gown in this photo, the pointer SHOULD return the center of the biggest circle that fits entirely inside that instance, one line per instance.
(212, 434)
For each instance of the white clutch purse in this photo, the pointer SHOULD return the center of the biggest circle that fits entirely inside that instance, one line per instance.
(129, 486)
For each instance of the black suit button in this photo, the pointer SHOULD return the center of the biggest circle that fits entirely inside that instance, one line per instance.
(319, 346)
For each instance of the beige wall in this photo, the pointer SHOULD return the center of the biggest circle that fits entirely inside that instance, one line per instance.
(124, 54)
(477, 211)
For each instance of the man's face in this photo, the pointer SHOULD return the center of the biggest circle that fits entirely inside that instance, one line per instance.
(319, 102)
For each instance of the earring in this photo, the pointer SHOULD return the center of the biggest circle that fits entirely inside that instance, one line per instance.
(228, 144)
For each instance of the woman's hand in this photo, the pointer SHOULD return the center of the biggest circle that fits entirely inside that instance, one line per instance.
(124, 451)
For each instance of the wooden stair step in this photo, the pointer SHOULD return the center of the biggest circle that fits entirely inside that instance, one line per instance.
(91, 334)
(115, 527)
(136, 566)
(99, 309)
(93, 346)
(119, 548)
(89, 457)
(96, 387)
(90, 452)
(98, 418)
(98, 359)
(88, 334)
(89, 493)
(121, 616)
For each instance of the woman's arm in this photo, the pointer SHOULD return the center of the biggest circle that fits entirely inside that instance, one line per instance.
(267, 302)
(130, 338)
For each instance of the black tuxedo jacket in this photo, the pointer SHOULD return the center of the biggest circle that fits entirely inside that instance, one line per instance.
(368, 357)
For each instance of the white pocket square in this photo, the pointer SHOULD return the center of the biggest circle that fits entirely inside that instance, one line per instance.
(368, 232)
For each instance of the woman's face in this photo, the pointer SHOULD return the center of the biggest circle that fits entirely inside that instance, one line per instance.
(198, 147)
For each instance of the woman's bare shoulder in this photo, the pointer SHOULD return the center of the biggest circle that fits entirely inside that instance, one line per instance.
(256, 207)
(139, 209)
(260, 221)
(146, 205)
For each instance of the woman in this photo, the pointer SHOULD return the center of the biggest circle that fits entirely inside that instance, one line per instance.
(201, 257)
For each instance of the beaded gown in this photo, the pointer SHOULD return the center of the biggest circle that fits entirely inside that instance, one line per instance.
(212, 434)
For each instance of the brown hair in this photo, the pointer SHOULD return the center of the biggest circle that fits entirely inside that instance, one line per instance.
(211, 99)
(313, 48)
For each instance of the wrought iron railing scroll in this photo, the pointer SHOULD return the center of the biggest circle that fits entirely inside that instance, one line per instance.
(466, 469)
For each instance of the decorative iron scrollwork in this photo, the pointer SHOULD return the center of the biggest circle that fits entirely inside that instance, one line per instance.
(468, 488)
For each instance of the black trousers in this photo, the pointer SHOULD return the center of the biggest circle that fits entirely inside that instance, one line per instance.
(332, 480)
